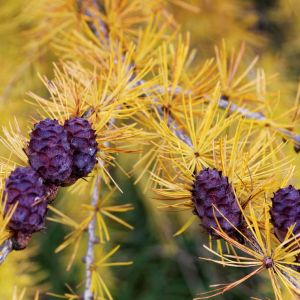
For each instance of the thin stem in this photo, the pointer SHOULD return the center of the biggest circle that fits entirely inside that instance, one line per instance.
(89, 259)
(233, 108)
(5, 249)
(170, 120)
(89, 12)
(174, 127)
(256, 116)
(224, 104)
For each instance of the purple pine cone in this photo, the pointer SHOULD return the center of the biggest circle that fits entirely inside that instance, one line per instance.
(84, 147)
(211, 189)
(285, 211)
(49, 152)
(25, 187)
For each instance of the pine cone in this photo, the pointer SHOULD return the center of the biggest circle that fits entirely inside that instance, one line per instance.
(285, 211)
(49, 152)
(82, 139)
(211, 189)
(25, 187)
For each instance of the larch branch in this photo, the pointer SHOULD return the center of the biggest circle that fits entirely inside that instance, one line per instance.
(5, 249)
(89, 258)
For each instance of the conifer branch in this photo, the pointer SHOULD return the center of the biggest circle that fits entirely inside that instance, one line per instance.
(102, 25)
(232, 108)
(223, 104)
(174, 127)
(256, 116)
(5, 249)
(170, 120)
(89, 258)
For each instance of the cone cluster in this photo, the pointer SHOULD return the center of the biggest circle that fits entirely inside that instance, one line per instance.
(215, 202)
(58, 156)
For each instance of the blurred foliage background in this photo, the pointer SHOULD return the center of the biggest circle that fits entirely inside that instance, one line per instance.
(165, 267)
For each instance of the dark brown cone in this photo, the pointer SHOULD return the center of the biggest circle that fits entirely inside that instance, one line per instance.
(211, 189)
(82, 139)
(297, 144)
(20, 240)
(285, 211)
(25, 188)
(51, 191)
(49, 152)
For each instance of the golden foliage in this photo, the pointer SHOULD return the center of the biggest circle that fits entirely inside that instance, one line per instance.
(127, 67)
